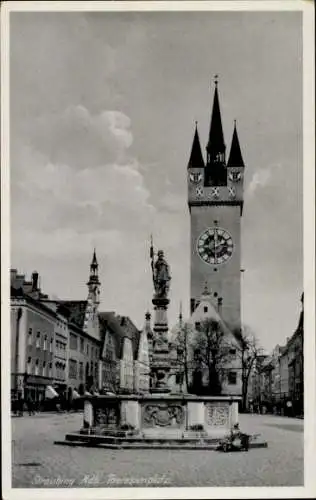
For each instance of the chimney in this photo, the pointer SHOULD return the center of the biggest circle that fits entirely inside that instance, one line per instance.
(219, 304)
(34, 281)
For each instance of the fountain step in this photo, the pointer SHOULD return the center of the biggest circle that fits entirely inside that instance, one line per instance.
(137, 442)
(117, 439)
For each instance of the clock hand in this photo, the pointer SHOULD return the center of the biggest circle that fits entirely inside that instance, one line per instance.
(215, 240)
(220, 243)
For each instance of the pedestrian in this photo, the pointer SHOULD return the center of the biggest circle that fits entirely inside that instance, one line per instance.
(30, 405)
(20, 403)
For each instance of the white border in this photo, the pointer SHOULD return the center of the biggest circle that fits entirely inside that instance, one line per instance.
(309, 490)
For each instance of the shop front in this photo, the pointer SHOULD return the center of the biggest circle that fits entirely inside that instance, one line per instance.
(35, 389)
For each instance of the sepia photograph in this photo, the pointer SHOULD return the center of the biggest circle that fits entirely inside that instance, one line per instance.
(158, 196)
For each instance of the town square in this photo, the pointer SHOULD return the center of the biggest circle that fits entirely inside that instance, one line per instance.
(38, 463)
(157, 296)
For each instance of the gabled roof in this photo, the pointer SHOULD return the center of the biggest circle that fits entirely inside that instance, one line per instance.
(199, 315)
(76, 311)
(196, 158)
(121, 328)
(20, 293)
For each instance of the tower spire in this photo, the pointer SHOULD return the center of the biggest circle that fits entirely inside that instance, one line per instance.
(235, 157)
(94, 266)
(216, 146)
(94, 262)
(180, 314)
(196, 157)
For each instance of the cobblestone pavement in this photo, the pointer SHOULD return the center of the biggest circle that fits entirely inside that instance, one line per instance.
(37, 462)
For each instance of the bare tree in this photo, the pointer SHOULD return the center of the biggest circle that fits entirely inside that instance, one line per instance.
(211, 352)
(182, 360)
(205, 348)
(248, 350)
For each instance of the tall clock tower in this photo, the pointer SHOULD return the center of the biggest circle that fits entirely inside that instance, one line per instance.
(215, 199)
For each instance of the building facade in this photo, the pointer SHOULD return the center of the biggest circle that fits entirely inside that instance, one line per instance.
(124, 362)
(142, 359)
(32, 346)
(53, 342)
(277, 384)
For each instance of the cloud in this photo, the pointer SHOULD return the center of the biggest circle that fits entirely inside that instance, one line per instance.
(64, 242)
(261, 178)
(173, 202)
(80, 139)
(73, 184)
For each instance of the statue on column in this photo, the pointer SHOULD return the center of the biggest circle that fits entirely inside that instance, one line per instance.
(160, 273)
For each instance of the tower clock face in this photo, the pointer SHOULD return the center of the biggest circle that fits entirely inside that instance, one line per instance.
(215, 246)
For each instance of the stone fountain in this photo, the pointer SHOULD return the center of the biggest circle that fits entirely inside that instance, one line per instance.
(159, 419)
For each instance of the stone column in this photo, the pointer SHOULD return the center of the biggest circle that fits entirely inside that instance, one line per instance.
(130, 413)
(233, 413)
(160, 366)
(87, 415)
(196, 413)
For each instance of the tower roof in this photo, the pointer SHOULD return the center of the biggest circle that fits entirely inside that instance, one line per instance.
(94, 262)
(216, 142)
(235, 156)
(196, 157)
(93, 278)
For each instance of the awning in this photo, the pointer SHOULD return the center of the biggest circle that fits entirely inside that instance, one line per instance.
(75, 394)
(50, 392)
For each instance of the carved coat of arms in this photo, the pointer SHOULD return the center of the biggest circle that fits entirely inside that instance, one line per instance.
(163, 415)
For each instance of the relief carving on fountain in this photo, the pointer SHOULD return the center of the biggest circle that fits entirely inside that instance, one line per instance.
(217, 415)
(106, 416)
(163, 415)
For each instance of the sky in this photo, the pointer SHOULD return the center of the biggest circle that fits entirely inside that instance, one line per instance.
(102, 112)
